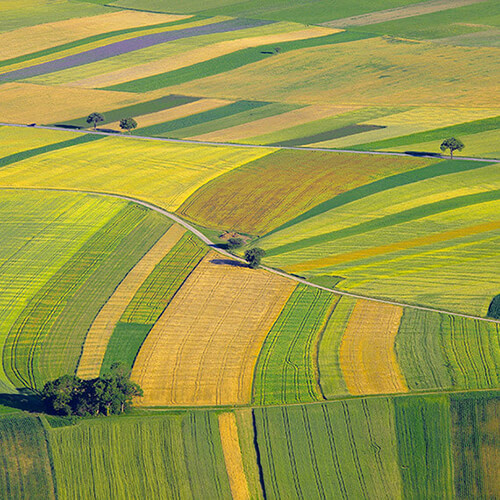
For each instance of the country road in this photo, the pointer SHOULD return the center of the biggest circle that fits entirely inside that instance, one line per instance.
(210, 243)
(252, 146)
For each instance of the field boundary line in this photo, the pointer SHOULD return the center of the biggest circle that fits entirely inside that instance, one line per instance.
(214, 247)
(252, 146)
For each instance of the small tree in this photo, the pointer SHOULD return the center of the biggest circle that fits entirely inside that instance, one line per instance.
(494, 309)
(254, 256)
(95, 118)
(234, 243)
(128, 124)
(453, 145)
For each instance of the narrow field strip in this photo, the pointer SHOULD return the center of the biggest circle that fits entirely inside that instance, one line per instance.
(367, 356)
(394, 247)
(102, 328)
(197, 55)
(232, 456)
(48, 35)
(203, 348)
(286, 371)
(167, 115)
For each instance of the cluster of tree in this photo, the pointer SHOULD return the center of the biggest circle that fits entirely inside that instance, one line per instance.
(110, 394)
(125, 123)
(253, 256)
(494, 309)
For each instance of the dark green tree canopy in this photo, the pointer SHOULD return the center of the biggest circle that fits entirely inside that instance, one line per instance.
(494, 309)
(452, 144)
(95, 118)
(128, 124)
(254, 256)
(110, 394)
(233, 243)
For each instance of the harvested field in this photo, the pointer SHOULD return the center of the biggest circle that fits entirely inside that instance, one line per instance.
(166, 115)
(232, 456)
(345, 449)
(198, 55)
(28, 103)
(102, 328)
(367, 355)
(287, 370)
(43, 36)
(271, 124)
(325, 74)
(26, 470)
(166, 175)
(203, 348)
(259, 196)
(411, 10)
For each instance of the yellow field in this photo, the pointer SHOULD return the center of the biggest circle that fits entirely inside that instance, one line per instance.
(173, 113)
(198, 55)
(232, 456)
(27, 103)
(35, 38)
(274, 123)
(16, 139)
(367, 356)
(406, 73)
(203, 349)
(102, 328)
(167, 173)
(393, 247)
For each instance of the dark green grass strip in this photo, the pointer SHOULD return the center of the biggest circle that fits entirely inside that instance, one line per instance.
(424, 446)
(429, 172)
(474, 127)
(124, 345)
(30, 153)
(329, 135)
(91, 39)
(475, 419)
(165, 128)
(25, 471)
(229, 62)
(142, 108)
(391, 220)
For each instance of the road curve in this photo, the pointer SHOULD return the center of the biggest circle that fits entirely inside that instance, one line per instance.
(250, 146)
(210, 243)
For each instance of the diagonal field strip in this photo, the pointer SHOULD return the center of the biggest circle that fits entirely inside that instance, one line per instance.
(102, 328)
(203, 348)
(394, 247)
(130, 45)
(367, 355)
(232, 456)
(416, 9)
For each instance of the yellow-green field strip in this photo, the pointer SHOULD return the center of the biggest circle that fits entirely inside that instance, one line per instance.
(251, 146)
(209, 242)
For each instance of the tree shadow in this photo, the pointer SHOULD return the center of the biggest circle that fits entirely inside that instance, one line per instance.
(228, 262)
(25, 400)
(423, 153)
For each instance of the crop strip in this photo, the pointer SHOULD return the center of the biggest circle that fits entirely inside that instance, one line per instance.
(102, 328)
(232, 456)
(367, 356)
(395, 247)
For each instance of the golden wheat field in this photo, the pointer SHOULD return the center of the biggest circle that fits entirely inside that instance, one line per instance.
(367, 356)
(204, 347)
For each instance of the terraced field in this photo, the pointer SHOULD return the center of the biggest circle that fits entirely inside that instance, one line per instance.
(256, 383)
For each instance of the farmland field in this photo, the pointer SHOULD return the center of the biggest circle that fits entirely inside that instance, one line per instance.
(357, 358)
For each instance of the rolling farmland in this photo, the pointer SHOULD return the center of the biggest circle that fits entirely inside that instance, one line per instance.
(361, 360)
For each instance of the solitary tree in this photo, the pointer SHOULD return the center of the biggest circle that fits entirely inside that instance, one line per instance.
(128, 124)
(95, 118)
(452, 144)
(494, 309)
(254, 256)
